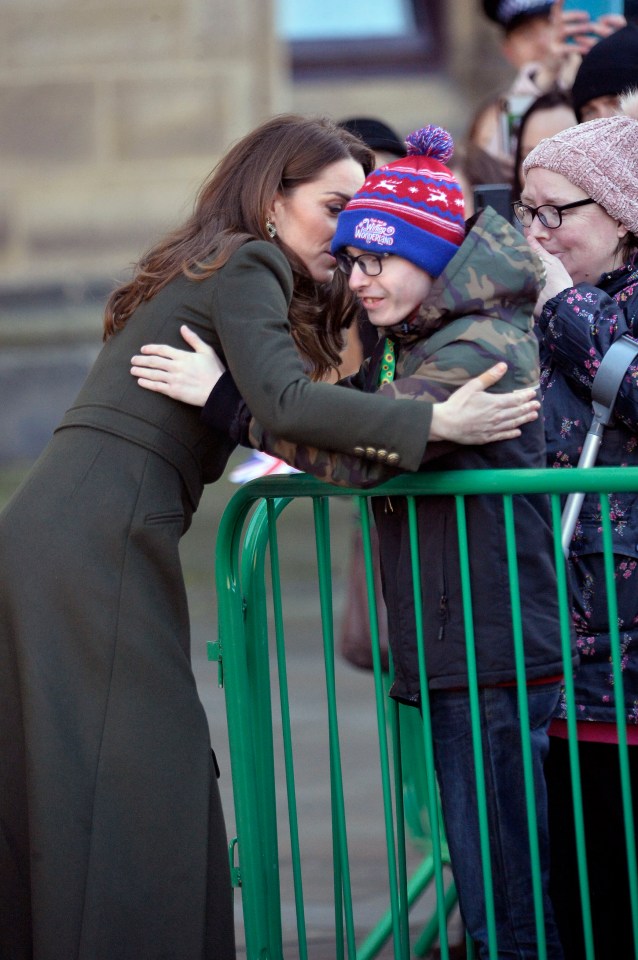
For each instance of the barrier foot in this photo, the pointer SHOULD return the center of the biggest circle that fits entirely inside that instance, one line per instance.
(417, 883)
(431, 931)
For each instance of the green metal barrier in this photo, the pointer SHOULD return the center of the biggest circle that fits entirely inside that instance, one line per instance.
(249, 529)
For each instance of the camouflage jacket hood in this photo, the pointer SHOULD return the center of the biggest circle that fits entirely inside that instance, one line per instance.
(493, 274)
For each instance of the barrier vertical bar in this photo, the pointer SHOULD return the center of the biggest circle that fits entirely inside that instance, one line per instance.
(621, 721)
(322, 536)
(287, 733)
(259, 681)
(382, 733)
(572, 730)
(232, 642)
(427, 727)
(523, 707)
(475, 714)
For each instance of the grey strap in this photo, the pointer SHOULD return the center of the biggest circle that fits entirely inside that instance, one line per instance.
(604, 391)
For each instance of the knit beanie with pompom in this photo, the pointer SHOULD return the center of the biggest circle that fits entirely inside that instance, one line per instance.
(600, 157)
(412, 207)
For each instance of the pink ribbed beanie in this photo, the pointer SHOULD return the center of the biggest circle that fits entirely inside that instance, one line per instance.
(600, 157)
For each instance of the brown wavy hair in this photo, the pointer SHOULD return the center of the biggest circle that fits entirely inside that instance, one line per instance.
(231, 208)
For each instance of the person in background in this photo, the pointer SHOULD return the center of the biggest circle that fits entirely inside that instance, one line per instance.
(544, 44)
(384, 142)
(474, 167)
(545, 116)
(606, 72)
(579, 210)
(402, 242)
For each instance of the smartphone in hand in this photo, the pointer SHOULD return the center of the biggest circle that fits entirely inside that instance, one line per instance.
(595, 8)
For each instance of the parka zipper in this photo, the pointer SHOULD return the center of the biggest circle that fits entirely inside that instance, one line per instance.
(443, 616)
(443, 601)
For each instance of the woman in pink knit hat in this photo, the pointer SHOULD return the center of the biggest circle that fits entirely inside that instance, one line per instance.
(579, 208)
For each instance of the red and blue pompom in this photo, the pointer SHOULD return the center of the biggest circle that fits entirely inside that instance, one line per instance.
(430, 141)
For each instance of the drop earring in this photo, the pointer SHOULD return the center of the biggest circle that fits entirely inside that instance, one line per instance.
(271, 228)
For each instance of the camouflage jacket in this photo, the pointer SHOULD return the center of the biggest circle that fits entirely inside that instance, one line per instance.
(479, 311)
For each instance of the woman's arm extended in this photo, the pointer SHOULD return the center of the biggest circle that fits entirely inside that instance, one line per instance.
(470, 416)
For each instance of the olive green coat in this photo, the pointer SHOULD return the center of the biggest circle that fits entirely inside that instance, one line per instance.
(112, 842)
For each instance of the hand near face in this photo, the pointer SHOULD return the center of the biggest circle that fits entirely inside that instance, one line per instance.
(572, 35)
(186, 375)
(574, 27)
(557, 278)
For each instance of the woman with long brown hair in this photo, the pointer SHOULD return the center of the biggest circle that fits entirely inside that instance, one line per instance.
(113, 841)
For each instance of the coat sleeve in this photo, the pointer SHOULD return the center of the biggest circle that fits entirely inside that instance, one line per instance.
(435, 378)
(577, 328)
(250, 307)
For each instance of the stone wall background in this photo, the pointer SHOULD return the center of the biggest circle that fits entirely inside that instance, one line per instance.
(112, 113)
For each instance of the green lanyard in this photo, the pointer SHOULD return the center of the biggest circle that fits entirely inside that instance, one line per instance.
(386, 373)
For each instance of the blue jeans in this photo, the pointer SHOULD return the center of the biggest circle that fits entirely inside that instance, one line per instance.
(506, 808)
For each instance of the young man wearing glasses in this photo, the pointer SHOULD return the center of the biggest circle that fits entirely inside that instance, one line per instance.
(446, 304)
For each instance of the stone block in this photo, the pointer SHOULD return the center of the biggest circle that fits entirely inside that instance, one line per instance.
(86, 217)
(179, 114)
(50, 122)
(228, 27)
(5, 222)
(41, 33)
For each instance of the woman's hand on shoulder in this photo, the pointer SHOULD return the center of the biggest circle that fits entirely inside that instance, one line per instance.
(472, 416)
(186, 375)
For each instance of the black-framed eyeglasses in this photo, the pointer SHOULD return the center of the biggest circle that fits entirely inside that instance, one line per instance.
(369, 263)
(549, 214)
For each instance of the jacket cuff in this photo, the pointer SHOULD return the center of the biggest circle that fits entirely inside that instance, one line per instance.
(226, 412)
(222, 404)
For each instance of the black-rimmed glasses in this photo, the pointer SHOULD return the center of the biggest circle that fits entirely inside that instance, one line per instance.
(549, 214)
(369, 263)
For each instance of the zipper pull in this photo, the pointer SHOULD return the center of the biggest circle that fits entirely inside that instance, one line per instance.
(442, 615)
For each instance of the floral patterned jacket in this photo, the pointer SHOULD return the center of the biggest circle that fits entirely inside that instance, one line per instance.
(576, 328)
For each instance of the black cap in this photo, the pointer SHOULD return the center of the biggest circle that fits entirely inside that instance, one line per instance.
(609, 69)
(505, 12)
(375, 134)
